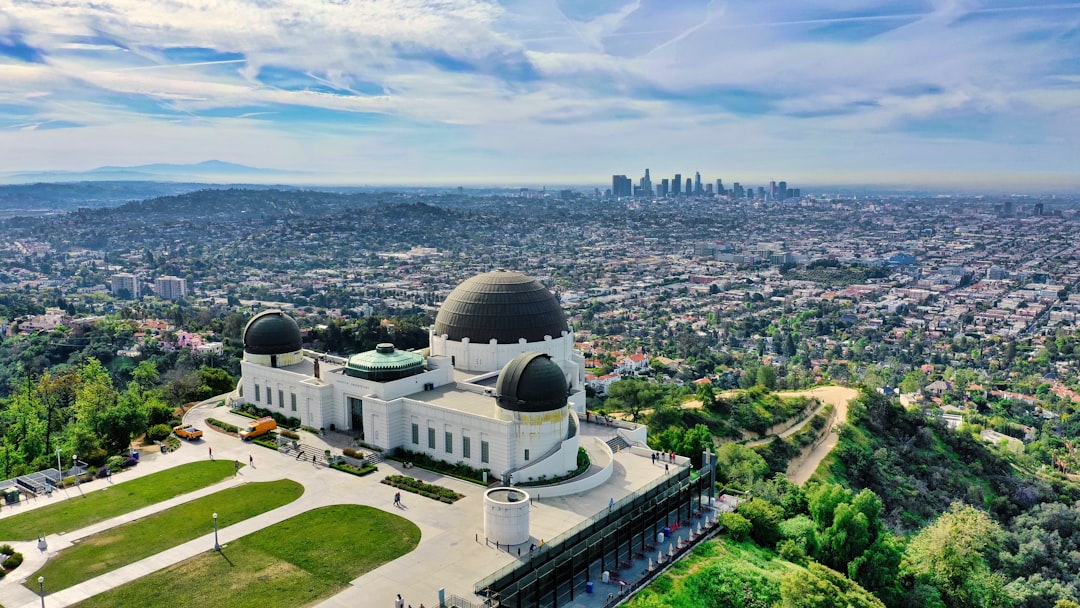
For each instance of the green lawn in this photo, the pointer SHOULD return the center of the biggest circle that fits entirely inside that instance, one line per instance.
(295, 563)
(116, 499)
(127, 544)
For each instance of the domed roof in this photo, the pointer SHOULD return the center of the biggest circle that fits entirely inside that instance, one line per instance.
(503, 305)
(531, 382)
(384, 363)
(272, 332)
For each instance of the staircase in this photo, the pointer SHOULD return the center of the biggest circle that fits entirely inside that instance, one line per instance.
(617, 443)
(373, 457)
(305, 453)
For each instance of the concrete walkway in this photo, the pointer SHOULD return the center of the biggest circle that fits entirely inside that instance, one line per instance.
(452, 553)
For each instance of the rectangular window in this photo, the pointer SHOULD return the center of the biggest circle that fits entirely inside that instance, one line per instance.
(466, 448)
(431, 438)
(281, 398)
(257, 393)
(293, 395)
(483, 452)
(449, 443)
(526, 454)
(269, 396)
(416, 434)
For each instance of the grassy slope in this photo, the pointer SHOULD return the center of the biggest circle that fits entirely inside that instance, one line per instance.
(719, 573)
(79, 512)
(128, 543)
(295, 563)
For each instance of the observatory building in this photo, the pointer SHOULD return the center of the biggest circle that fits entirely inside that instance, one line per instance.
(500, 386)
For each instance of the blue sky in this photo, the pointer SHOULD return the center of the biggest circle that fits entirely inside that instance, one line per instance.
(531, 92)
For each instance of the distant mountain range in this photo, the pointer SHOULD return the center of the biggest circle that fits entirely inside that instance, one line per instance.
(211, 171)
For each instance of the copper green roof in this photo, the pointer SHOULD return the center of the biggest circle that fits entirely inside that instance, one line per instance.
(384, 363)
(503, 305)
(272, 332)
(531, 382)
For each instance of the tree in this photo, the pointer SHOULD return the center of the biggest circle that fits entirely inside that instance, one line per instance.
(877, 569)
(706, 396)
(949, 554)
(823, 499)
(766, 376)
(802, 531)
(737, 463)
(737, 526)
(913, 382)
(633, 395)
(765, 518)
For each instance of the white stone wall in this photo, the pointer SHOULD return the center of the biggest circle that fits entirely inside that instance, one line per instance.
(492, 356)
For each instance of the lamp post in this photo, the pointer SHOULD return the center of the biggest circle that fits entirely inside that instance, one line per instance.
(59, 468)
(217, 547)
(41, 589)
(75, 466)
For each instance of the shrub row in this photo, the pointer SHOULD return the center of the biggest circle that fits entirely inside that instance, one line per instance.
(428, 490)
(351, 453)
(458, 469)
(225, 426)
(267, 441)
(358, 471)
(290, 434)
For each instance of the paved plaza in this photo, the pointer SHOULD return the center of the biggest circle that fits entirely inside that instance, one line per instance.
(452, 553)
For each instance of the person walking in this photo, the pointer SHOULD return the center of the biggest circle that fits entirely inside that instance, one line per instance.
(236, 468)
(251, 460)
(397, 499)
(211, 448)
(313, 463)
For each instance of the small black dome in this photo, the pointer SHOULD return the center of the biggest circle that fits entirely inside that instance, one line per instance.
(531, 382)
(503, 305)
(272, 332)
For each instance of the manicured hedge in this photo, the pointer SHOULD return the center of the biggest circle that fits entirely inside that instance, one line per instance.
(367, 469)
(225, 426)
(424, 489)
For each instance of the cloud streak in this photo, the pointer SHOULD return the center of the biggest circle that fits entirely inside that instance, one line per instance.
(565, 91)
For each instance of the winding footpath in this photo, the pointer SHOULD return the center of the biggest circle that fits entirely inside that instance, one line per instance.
(838, 396)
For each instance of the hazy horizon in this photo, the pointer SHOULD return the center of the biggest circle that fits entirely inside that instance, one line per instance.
(937, 94)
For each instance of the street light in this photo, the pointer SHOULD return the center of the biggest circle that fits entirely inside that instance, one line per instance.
(41, 589)
(75, 466)
(217, 547)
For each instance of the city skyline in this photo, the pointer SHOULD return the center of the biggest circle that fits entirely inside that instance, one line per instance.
(942, 94)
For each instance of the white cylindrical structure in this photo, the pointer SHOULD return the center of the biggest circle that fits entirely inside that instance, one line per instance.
(506, 516)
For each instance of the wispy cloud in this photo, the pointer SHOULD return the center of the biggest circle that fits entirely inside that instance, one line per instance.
(563, 90)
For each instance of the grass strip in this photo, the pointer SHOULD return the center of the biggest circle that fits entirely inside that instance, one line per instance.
(133, 541)
(297, 562)
(117, 499)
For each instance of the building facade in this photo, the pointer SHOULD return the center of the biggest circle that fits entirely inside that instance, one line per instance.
(499, 387)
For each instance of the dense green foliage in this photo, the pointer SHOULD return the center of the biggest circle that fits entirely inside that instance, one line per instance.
(919, 468)
(730, 574)
(78, 410)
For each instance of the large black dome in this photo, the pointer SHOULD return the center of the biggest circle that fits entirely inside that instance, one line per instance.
(531, 382)
(503, 305)
(272, 332)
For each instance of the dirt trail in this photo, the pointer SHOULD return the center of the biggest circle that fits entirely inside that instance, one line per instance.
(839, 397)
